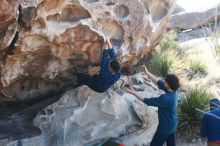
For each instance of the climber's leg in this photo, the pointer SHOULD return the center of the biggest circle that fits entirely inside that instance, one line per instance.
(97, 83)
(90, 81)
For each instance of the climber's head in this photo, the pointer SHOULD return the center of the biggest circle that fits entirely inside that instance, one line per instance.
(172, 82)
(114, 66)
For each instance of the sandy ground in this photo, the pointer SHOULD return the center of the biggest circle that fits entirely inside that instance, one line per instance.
(191, 144)
(194, 143)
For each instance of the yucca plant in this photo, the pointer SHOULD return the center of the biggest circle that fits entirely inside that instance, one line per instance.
(189, 117)
(197, 67)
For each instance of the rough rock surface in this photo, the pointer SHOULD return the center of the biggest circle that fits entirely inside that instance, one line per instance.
(48, 39)
(83, 118)
(43, 43)
(193, 20)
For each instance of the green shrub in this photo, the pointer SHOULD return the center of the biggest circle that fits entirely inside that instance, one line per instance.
(189, 118)
(169, 42)
(166, 56)
(197, 67)
(162, 65)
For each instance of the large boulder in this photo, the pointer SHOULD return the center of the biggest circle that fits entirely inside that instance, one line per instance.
(45, 41)
(85, 118)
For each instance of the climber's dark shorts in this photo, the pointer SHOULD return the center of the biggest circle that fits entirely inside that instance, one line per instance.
(90, 81)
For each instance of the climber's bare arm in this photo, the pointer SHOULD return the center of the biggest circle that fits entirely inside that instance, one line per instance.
(109, 43)
(105, 46)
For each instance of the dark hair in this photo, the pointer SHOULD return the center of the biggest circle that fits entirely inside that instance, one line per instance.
(173, 82)
(214, 104)
(126, 70)
(115, 65)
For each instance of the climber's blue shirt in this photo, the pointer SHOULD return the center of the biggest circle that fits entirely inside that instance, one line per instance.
(105, 78)
(210, 125)
(167, 104)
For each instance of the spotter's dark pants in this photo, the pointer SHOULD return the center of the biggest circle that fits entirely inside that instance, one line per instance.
(159, 139)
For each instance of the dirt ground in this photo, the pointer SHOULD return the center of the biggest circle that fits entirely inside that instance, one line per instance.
(192, 143)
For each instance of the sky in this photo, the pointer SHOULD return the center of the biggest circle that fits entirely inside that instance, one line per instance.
(197, 5)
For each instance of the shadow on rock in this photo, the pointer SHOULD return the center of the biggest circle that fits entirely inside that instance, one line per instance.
(16, 116)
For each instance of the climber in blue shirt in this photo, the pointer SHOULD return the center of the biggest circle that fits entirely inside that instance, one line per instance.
(210, 123)
(109, 72)
(167, 104)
